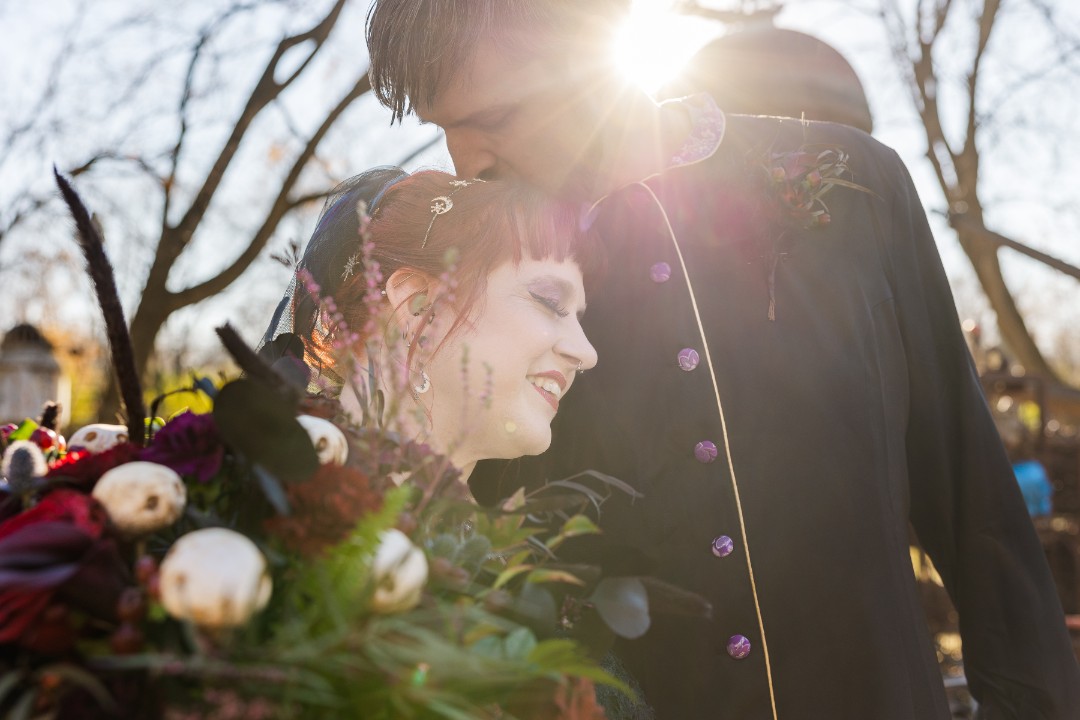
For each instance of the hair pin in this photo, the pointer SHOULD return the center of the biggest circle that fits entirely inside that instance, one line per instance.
(443, 204)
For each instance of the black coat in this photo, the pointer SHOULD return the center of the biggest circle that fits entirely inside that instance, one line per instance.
(856, 411)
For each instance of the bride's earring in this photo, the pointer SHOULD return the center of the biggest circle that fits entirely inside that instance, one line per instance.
(423, 387)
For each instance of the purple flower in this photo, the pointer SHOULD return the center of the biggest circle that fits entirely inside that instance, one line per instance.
(189, 444)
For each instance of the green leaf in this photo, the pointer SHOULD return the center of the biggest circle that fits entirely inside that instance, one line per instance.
(544, 575)
(623, 603)
(448, 711)
(262, 426)
(509, 574)
(24, 431)
(8, 682)
(536, 605)
(490, 646)
(473, 551)
(515, 501)
(444, 545)
(579, 525)
(576, 526)
(77, 676)
(566, 656)
(519, 644)
(24, 707)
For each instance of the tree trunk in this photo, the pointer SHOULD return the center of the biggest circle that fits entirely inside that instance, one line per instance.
(1014, 332)
(154, 309)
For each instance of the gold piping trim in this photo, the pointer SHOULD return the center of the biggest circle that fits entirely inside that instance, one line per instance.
(727, 445)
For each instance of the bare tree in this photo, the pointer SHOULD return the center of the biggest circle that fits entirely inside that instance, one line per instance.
(920, 33)
(187, 171)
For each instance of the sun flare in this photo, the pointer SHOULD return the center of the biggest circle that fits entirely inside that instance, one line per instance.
(654, 44)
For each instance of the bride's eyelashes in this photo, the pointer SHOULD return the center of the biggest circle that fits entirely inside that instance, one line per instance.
(550, 303)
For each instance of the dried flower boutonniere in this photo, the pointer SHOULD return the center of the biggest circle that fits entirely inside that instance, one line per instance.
(796, 184)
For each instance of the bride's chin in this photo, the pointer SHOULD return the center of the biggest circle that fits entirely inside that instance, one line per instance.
(536, 443)
(521, 444)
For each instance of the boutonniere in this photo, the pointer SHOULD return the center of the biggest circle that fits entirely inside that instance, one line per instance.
(796, 184)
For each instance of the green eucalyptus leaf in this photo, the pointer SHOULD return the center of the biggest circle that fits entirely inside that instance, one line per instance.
(623, 603)
(489, 646)
(536, 606)
(262, 426)
(444, 546)
(519, 644)
(473, 552)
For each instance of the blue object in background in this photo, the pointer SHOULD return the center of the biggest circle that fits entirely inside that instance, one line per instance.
(1035, 485)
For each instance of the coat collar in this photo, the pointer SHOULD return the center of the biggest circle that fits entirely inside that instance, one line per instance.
(707, 123)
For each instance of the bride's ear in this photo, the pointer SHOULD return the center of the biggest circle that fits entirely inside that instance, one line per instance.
(409, 292)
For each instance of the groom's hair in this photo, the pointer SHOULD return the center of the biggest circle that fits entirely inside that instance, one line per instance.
(416, 46)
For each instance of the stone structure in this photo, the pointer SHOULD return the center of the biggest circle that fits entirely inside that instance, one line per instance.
(29, 375)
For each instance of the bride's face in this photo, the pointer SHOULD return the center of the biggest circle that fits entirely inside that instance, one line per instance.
(496, 382)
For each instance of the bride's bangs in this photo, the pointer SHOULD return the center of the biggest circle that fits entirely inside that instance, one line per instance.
(548, 229)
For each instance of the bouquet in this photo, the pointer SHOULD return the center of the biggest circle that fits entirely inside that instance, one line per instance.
(270, 559)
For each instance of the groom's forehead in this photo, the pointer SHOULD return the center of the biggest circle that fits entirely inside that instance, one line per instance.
(488, 81)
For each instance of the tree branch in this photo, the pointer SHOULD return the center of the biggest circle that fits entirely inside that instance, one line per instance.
(265, 91)
(959, 222)
(915, 62)
(967, 165)
(281, 205)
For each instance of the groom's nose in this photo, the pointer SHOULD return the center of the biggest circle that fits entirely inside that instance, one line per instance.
(471, 158)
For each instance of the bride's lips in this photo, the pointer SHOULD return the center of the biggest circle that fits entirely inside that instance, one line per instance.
(551, 398)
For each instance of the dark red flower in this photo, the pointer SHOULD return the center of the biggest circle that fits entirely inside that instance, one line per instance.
(325, 509)
(189, 444)
(83, 468)
(57, 548)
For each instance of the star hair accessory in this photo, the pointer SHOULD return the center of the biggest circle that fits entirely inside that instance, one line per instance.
(444, 203)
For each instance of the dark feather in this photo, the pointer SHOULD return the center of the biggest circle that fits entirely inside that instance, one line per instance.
(101, 273)
(255, 367)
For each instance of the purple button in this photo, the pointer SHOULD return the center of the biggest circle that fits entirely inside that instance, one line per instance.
(722, 546)
(660, 272)
(738, 646)
(688, 359)
(705, 451)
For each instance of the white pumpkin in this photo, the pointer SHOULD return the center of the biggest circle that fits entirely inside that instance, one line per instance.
(141, 497)
(327, 439)
(399, 571)
(215, 578)
(98, 437)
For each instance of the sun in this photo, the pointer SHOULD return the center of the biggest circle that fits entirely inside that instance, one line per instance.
(655, 43)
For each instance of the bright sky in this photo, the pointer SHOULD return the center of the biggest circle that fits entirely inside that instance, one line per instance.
(1027, 181)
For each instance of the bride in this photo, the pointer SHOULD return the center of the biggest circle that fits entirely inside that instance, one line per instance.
(462, 299)
(468, 323)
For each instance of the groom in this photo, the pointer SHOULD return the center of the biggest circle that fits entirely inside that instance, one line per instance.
(781, 374)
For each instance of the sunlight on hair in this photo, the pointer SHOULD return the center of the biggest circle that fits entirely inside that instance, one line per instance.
(655, 43)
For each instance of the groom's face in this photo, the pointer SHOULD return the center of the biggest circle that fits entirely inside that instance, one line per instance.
(519, 115)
